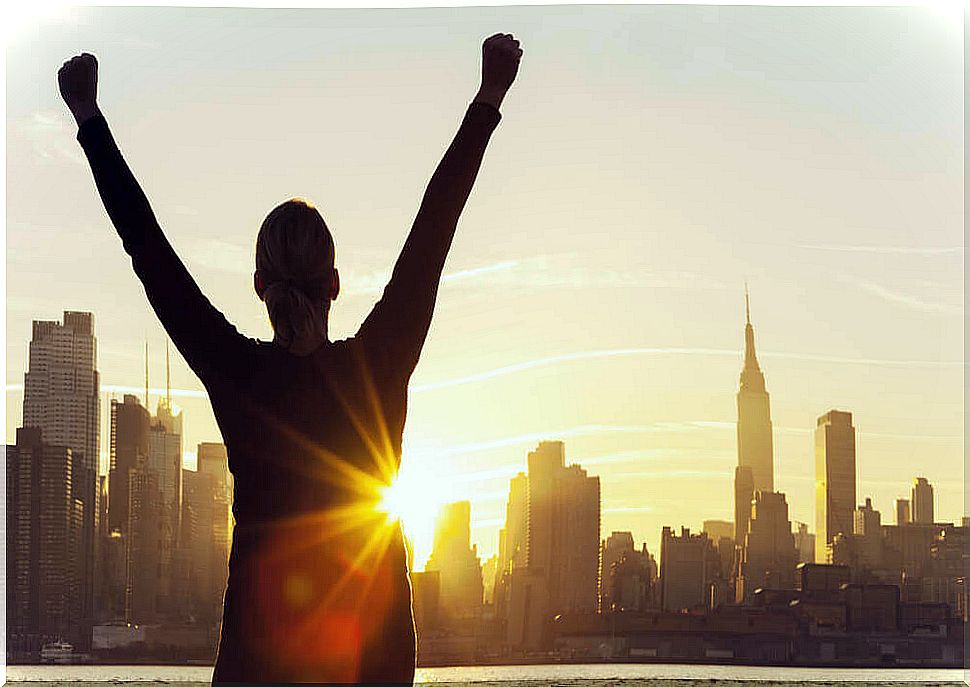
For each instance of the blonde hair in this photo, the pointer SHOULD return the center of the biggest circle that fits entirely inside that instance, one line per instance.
(295, 254)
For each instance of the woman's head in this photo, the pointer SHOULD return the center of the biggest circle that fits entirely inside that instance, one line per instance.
(295, 274)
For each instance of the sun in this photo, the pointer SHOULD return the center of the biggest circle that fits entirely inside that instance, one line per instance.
(414, 499)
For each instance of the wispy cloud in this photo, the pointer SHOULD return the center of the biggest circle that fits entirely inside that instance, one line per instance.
(897, 250)
(50, 136)
(674, 474)
(629, 509)
(619, 352)
(478, 271)
(564, 433)
(221, 255)
(910, 301)
(543, 271)
(369, 283)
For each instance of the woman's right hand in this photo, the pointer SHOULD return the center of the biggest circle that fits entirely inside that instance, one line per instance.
(78, 83)
(500, 64)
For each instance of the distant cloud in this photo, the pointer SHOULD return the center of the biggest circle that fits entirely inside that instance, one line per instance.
(675, 474)
(477, 271)
(910, 301)
(369, 283)
(628, 509)
(560, 434)
(900, 250)
(221, 255)
(543, 271)
(50, 135)
(618, 352)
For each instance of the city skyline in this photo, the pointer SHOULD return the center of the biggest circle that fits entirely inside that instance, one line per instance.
(858, 305)
(160, 548)
(409, 500)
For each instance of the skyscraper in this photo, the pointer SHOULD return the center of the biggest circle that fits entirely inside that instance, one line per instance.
(743, 496)
(687, 565)
(127, 448)
(43, 568)
(903, 516)
(205, 535)
(867, 536)
(804, 544)
(922, 501)
(612, 550)
(835, 483)
(513, 541)
(456, 559)
(867, 521)
(769, 556)
(754, 415)
(61, 398)
(155, 498)
(563, 544)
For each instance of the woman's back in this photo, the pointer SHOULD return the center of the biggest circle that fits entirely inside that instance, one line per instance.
(318, 576)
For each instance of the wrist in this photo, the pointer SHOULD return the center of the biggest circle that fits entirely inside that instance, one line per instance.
(491, 96)
(83, 113)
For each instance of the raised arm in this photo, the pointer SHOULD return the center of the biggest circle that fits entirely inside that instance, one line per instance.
(396, 328)
(200, 332)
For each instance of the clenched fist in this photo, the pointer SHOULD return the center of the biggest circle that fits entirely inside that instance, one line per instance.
(500, 63)
(78, 82)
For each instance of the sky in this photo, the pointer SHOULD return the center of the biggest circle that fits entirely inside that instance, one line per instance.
(649, 161)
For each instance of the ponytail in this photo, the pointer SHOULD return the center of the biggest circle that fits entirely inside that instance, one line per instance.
(295, 254)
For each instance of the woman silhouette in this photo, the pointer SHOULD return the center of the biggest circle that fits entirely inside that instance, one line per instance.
(318, 585)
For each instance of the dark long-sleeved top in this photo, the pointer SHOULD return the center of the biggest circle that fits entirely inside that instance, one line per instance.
(318, 588)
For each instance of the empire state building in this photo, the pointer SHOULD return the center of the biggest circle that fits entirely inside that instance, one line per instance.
(755, 470)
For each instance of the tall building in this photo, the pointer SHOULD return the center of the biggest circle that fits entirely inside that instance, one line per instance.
(718, 529)
(868, 537)
(205, 535)
(754, 415)
(867, 520)
(687, 564)
(630, 581)
(43, 521)
(611, 552)
(922, 501)
(768, 557)
(564, 529)
(514, 537)
(835, 482)
(743, 496)
(128, 447)
(903, 515)
(561, 574)
(154, 516)
(804, 544)
(61, 398)
(513, 542)
(456, 560)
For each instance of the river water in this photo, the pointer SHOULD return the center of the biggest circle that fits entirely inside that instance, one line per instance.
(597, 675)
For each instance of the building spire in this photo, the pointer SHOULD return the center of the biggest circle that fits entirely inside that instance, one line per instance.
(747, 305)
(751, 376)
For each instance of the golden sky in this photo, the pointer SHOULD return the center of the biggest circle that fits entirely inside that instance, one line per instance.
(649, 161)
